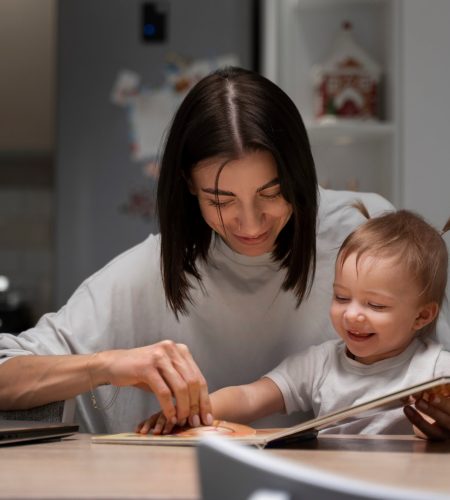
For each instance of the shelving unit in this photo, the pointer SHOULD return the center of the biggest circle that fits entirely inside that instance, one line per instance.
(361, 155)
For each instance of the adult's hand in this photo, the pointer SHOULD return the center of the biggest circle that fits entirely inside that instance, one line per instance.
(438, 408)
(167, 369)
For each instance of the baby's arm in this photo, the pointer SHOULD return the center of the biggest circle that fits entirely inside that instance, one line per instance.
(246, 403)
(240, 404)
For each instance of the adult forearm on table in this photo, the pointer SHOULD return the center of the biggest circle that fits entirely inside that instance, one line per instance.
(29, 381)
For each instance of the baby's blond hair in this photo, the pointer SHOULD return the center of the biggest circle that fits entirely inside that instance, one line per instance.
(406, 236)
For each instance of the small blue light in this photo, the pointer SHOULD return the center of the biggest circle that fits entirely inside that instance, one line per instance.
(149, 30)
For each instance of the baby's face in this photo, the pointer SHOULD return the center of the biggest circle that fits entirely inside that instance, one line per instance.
(375, 308)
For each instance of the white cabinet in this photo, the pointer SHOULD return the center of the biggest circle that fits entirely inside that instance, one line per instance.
(300, 33)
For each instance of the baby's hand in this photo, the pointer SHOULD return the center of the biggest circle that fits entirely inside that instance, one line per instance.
(157, 424)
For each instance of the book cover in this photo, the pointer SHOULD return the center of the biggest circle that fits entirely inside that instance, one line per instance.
(279, 437)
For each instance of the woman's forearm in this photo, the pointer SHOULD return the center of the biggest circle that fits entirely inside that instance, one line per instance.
(167, 369)
(29, 381)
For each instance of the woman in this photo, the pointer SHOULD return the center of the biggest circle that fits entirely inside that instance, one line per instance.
(234, 281)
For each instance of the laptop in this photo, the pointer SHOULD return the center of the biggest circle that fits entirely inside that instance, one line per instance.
(24, 431)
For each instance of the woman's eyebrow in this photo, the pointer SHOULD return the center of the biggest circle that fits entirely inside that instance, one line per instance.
(269, 184)
(217, 192)
(220, 192)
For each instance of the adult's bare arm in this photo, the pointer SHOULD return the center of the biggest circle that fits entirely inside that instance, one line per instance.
(166, 369)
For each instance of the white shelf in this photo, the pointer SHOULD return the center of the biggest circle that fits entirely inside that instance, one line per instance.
(311, 4)
(348, 132)
(299, 34)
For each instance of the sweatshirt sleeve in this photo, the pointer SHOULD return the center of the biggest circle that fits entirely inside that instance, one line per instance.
(112, 309)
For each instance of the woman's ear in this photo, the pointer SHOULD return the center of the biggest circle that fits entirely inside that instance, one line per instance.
(191, 187)
(426, 315)
(190, 184)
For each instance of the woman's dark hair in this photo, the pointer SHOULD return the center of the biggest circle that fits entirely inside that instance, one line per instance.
(227, 114)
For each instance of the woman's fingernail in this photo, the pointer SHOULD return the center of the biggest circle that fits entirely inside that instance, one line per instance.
(173, 420)
(209, 419)
(196, 421)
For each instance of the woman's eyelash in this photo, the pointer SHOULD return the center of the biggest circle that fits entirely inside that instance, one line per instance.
(215, 203)
(271, 196)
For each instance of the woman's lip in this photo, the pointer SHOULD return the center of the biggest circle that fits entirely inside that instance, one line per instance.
(253, 241)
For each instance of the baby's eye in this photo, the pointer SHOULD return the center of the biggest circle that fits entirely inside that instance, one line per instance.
(340, 298)
(377, 307)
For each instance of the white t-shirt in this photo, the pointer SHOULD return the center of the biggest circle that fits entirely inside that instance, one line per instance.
(324, 379)
(238, 328)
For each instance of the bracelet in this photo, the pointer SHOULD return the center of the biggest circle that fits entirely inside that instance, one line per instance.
(91, 387)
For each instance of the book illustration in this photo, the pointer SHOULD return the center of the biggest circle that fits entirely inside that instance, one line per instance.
(279, 437)
(219, 427)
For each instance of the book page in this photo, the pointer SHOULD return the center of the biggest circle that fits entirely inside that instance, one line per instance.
(182, 435)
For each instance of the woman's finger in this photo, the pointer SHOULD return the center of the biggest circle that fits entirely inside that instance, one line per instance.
(198, 391)
(190, 372)
(193, 386)
(205, 406)
(163, 393)
(178, 387)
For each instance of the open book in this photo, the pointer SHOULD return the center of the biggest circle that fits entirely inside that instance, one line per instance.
(278, 437)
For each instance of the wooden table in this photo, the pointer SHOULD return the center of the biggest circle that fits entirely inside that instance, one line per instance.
(76, 468)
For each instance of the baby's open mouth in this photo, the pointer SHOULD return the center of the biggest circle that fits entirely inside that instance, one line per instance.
(359, 335)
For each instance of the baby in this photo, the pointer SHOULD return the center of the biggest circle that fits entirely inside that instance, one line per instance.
(390, 280)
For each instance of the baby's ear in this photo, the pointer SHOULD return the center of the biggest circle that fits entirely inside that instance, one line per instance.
(426, 315)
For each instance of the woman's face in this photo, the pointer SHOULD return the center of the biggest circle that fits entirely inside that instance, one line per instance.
(247, 210)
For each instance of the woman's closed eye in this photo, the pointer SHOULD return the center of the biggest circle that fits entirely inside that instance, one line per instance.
(219, 203)
(271, 196)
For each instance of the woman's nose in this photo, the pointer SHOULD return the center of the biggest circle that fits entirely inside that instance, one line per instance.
(250, 220)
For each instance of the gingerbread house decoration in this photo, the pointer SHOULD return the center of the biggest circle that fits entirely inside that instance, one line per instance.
(346, 86)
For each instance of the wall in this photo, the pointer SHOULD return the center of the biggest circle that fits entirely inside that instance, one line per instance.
(97, 39)
(426, 110)
(27, 86)
(27, 108)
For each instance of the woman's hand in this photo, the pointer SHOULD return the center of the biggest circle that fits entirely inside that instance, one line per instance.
(167, 369)
(438, 408)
